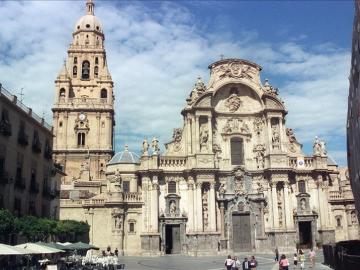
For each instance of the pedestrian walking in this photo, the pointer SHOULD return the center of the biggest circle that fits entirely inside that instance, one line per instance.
(295, 260)
(312, 255)
(245, 264)
(302, 259)
(253, 263)
(237, 263)
(116, 252)
(229, 263)
(276, 254)
(284, 263)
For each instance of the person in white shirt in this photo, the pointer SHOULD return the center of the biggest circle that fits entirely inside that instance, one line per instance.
(229, 263)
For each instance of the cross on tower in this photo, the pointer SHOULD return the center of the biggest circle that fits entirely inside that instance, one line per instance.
(21, 94)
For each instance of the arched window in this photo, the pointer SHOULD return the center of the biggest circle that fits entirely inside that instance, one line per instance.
(302, 186)
(338, 221)
(75, 60)
(96, 71)
(62, 92)
(74, 71)
(237, 151)
(85, 70)
(81, 139)
(103, 93)
(96, 60)
(172, 187)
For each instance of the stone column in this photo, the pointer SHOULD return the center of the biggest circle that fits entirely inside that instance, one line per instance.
(191, 216)
(274, 205)
(288, 215)
(212, 210)
(210, 134)
(222, 216)
(65, 136)
(108, 129)
(281, 133)
(197, 134)
(98, 119)
(198, 212)
(155, 205)
(188, 134)
(262, 219)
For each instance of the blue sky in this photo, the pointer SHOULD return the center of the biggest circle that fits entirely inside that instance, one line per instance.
(156, 50)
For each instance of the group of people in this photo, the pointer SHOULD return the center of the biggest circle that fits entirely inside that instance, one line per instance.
(108, 252)
(233, 263)
(298, 259)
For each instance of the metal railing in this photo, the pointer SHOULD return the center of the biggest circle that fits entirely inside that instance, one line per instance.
(12, 98)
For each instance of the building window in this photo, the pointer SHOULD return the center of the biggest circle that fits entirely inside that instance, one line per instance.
(81, 139)
(302, 186)
(172, 187)
(103, 93)
(85, 70)
(96, 71)
(62, 92)
(23, 138)
(60, 124)
(36, 145)
(74, 71)
(5, 126)
(237, 151)
(132, 227)
(96, 60)
(338, 221)
(126, 186)
(75, 60)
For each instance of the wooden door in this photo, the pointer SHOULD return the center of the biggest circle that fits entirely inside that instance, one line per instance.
(241, 232)
(176, 245)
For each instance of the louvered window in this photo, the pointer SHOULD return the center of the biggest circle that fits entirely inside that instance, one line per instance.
(302, 186)
(172, 187)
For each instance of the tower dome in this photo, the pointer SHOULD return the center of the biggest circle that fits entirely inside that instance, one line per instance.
(88, 22)
(125, 157)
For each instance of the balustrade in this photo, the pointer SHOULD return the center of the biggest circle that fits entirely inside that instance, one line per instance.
(172, 162)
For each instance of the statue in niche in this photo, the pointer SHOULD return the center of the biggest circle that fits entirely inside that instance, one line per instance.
(205, 216)
(155, 146)
(205, 197)
(145, 146)
(204, 137)
(222, 189)
(233, 102)
(280, 216)
(172, 208)
(275, 134)
(302, 204)
(353, 217)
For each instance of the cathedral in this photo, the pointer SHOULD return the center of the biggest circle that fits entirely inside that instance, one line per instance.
(232, 178)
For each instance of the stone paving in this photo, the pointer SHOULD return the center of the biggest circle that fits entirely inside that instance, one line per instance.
(179, 262)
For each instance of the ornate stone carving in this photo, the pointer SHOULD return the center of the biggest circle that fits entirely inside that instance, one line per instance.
(319, 147)
(172, 208)
(258, 124)
(235, 125)
(198, 90)
(269, 89)
(291, 135)
(177, 136)
(235, 70)
(259, 151)
(205, 206)
(275, 133)
(233, 102)
(239, 187)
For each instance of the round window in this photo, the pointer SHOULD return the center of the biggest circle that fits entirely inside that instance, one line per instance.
(88, 26)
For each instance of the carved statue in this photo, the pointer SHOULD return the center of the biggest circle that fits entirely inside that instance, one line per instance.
(204, 137)
(198, 90)
(275, 134)
(302, 204)
(353, 217)
(172, 208)
(145, 148)
(258, 125)
(269, 89)
(319, 147)
(222, 189)
(291, 135)
(155, 146)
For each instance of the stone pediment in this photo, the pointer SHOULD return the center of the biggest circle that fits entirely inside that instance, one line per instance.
(273, 103)
(204, 101)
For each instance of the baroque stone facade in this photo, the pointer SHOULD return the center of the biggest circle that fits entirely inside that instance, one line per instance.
(233, 178)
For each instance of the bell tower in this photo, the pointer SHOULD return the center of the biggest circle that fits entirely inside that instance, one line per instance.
(83, 111)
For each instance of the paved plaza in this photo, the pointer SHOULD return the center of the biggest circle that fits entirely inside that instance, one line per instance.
(174, 262)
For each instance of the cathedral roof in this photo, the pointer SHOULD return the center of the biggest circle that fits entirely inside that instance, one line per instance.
(88, 22)
(125, 157)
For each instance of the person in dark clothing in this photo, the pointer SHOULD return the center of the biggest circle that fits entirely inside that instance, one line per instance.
(116, 252)
(253, 263)
(245, 264)
(276, 254)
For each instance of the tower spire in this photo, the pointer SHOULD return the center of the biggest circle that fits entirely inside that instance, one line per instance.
(90, 7)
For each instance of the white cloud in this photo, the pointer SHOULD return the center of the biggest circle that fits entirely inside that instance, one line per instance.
(155, 56)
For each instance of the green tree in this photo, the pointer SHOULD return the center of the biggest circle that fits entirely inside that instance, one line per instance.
(71, 230)
(7, 225)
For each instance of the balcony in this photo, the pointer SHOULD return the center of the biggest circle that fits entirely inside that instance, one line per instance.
(4, 178)
(34, 187)
(20, 183)
(23, 138)
(5, 128)
(48, 153)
